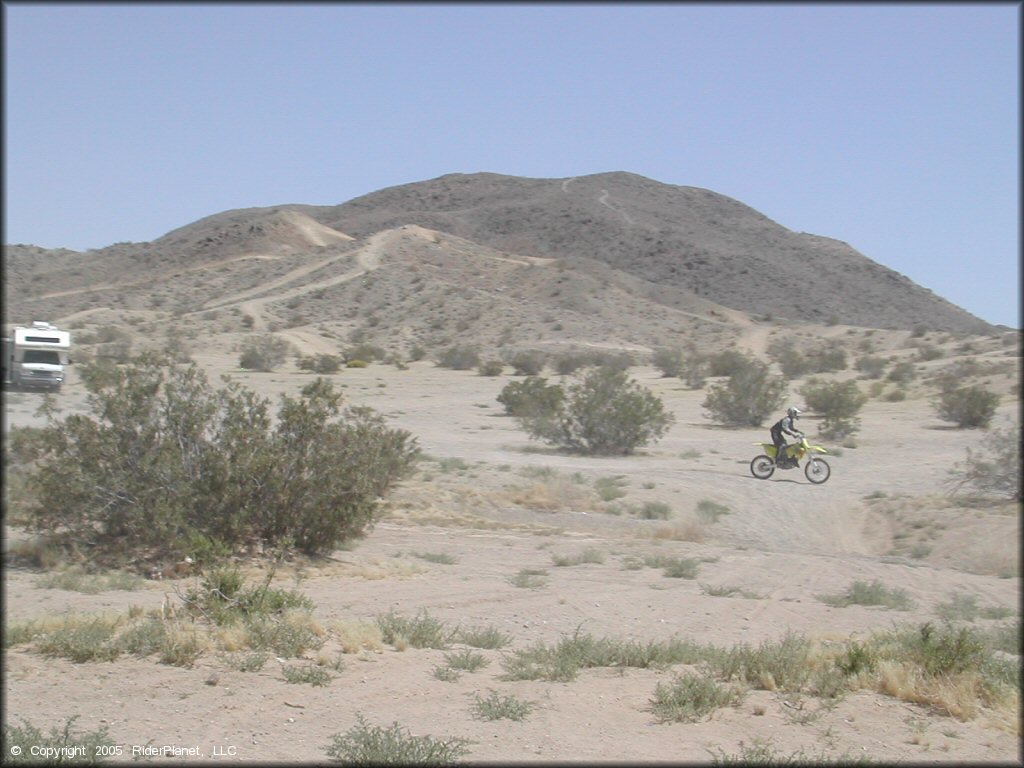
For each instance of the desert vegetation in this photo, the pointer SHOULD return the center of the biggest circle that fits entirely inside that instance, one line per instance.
(602, 412)
(166, 467)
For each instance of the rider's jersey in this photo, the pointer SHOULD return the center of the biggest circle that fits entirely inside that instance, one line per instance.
(785, 424)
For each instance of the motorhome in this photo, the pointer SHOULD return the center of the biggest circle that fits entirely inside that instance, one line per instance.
(34, 356)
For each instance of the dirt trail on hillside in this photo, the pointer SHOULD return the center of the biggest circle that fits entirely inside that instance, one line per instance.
(367, 259)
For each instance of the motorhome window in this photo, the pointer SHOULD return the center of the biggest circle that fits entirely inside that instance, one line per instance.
(48, 356)
(43, 339)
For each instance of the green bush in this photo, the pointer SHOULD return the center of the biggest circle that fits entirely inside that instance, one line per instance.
(838, 403)
(603, 412)
(264, 353)
(164, 459)
(750, 395)
(967, 407)
(532, 396)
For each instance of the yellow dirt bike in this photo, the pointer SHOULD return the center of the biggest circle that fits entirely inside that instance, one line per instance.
(817, 470)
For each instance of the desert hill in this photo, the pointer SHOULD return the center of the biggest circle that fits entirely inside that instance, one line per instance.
(611, 259)
(683, 237)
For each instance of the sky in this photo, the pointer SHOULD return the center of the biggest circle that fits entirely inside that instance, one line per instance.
(894, 128)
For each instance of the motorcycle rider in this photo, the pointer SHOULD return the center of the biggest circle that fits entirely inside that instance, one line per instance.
(785, 425)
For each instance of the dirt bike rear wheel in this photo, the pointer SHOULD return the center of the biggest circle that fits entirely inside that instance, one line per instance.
(762, 467)
(817, 471)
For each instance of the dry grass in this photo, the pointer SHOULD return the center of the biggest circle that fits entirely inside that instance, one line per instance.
(356, 636)
(686, 529)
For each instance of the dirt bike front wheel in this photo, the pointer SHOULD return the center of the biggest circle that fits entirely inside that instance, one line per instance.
(817, 471)
(762, 467)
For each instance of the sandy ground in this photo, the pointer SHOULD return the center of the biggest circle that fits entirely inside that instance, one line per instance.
(494, 513)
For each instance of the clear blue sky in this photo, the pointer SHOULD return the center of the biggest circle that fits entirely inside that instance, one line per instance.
(895, 128)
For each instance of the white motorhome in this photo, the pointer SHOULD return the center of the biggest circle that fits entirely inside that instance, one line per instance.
(34, 356)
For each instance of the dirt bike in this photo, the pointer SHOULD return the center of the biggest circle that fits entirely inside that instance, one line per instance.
(817, 470)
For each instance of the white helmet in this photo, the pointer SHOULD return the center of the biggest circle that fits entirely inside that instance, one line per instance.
(793, 412)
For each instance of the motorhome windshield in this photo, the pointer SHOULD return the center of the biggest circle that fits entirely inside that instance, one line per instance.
(47, 356)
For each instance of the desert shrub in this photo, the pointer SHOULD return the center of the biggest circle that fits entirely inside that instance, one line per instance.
(902, 373)
(603, 412)
(773, 665)
(689, 698)
(459, 358)
(727, 363)
(831, 358)
(620, 360)
(946, 650)
(572, 361)
(838, 403)
(163, 456)
(967, 407)
(374, 745)
(371, 353)
(568, 362)
(994, 467)
(490, 368)
(497, 707)
(320, 363)
(791, 362)
(223, 597)
(532, 396)
(871, 366)
(357, 364)
(422, 631)
(489, 637)
(870, 593)
(264, 353)
(748, 397)
(694, 371)
(25, 745)
(526, 362)
(669, 361)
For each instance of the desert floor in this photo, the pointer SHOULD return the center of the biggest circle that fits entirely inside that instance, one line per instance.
(487, 504)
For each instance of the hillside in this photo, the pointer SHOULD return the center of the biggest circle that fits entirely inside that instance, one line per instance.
(610, 258)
